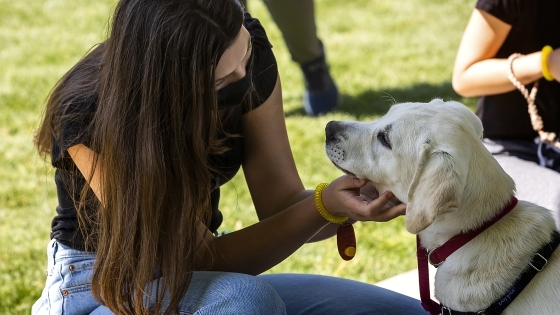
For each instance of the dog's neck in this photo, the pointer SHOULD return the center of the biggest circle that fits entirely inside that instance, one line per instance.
(488, 188)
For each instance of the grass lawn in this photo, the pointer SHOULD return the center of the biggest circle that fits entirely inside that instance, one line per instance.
(380, 52)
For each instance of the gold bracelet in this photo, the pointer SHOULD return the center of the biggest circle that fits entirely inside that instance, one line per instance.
(321, 207)
(544, 62)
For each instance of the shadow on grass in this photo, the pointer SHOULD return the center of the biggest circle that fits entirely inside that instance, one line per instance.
(377, 102)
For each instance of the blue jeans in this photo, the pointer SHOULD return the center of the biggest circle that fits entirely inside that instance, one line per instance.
(68, 291)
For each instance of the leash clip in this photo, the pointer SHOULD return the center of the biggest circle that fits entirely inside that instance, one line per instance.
(434, 264)
(450, 311)
(543, 265)
(445, 308)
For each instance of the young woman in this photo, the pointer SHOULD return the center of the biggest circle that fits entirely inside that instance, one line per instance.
(519, 37)
(142, 133)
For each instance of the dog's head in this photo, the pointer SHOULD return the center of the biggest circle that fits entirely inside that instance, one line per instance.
(419, 151)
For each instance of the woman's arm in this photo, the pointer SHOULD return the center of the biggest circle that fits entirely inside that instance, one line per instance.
(269, 166)
(476, 71)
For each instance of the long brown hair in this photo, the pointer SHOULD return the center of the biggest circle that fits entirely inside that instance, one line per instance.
(155, 126)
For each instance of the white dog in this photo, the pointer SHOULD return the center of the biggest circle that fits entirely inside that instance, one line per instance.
(430, 155)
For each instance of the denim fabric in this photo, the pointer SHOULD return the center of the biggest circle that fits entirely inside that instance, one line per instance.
(68, 289)
(307, 294)
(68, 286)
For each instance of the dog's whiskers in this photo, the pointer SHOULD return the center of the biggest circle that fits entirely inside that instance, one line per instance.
(389, 97)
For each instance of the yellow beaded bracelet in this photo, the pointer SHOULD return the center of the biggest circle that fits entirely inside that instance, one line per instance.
(321, 207)
(544, 62)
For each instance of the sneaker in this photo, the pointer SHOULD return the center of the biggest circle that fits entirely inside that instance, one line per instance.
(321, 93)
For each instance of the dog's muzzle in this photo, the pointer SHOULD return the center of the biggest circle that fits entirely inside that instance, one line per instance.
(333, 137)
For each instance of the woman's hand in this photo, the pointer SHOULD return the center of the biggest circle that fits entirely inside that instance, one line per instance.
(351, 197)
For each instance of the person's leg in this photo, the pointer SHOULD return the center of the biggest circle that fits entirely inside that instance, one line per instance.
(296, 21)
(534, 183)
(216, 293)
(323, 295)
(68, 289)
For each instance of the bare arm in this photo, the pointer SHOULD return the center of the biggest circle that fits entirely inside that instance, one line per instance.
(269, 168)
(268, 165)
(476, 71)
(84, 158)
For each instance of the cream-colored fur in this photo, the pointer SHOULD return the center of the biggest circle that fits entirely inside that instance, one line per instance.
(436, 164)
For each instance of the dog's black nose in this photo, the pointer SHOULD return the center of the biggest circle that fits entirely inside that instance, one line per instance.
(331, 129)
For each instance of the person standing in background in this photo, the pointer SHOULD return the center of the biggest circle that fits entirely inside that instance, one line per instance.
(296, 21)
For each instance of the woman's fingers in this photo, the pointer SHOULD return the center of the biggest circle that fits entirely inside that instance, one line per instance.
(377, 209)
(387, 214)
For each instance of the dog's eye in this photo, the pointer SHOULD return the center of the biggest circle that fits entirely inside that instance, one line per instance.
(384, 139)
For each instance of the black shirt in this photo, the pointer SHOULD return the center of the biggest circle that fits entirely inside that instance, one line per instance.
(69, 182)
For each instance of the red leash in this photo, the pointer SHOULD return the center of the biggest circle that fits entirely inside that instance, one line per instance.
(439, 254)
(428, 304)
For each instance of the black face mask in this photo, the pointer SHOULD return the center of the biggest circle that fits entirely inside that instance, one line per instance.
(235, 93)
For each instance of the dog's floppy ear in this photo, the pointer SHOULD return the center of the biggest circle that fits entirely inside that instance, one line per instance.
(436, 187)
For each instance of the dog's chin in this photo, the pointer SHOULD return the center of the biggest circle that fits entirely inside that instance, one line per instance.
(345, 171)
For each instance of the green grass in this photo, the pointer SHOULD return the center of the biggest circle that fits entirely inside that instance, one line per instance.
(380, 51)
